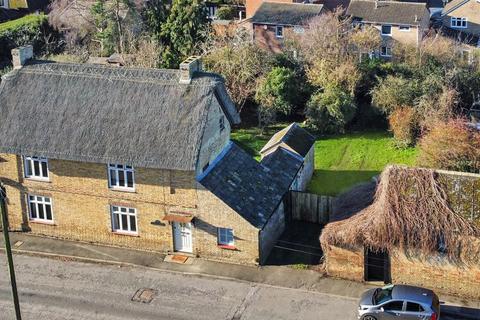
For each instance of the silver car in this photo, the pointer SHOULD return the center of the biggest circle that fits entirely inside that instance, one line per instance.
(399, 302)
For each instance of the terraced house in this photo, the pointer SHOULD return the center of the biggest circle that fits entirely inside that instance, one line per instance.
(137, 158)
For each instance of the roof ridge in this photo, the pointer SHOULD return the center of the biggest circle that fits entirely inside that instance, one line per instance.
(422, 4)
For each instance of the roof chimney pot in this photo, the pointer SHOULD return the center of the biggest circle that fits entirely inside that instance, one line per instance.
(21, 55)
(188, 68)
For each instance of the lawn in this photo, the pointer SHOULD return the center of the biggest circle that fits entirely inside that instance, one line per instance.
(340, 161)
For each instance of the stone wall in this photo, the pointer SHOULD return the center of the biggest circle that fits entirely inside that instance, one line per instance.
(435, 273)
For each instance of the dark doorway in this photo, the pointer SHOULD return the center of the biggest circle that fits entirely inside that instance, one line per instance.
(377, 266)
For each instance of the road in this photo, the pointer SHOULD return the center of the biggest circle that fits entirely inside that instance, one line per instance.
(54, 289)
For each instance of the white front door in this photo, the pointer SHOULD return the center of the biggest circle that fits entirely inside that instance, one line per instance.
(182, 236)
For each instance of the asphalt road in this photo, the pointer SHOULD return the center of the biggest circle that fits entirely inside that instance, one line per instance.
(53, 289)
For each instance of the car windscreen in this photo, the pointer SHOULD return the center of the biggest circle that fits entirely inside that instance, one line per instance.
(382, 294)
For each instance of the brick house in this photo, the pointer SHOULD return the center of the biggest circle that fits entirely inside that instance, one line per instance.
(122, 157)
(366, 245)
(273, 22)
(461, 19)
(397, 22)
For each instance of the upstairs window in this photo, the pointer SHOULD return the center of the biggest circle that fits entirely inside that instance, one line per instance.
(279, 31)
(124, 220)
(386, 30)
(404, 28)
(40, 208)
(36, 167)
(121, 177)
(458, 22)
(3, 3)
(225, 237)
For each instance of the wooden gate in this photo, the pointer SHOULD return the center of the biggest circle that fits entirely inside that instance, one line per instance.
(310, 207)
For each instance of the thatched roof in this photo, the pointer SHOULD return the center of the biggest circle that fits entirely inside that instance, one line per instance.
(102, 114)
(410, 211)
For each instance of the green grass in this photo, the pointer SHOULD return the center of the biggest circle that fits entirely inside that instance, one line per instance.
(28, 20)
(340, 161)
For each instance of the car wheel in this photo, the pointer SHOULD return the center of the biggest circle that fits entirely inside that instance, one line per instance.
(369, 318)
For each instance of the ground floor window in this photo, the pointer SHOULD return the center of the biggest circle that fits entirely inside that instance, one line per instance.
(40, 208)
(225, 237)
(124, 220)
(386, 52)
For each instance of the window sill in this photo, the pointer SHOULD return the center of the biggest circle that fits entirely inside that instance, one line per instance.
(125, 233)
(36, 221)
(122, 190)
(227, 247)
(38, 179)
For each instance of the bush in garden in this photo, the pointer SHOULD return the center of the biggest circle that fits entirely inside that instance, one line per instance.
(404, 125)
(330, 111)
(394, 92)
(452, 145)
(226, 13)
(277, 90)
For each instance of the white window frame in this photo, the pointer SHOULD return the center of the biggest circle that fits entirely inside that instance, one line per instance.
(457, 22)
(406, 28)
(225, 237)
(118, 170)
(4, 4)
(277, 29)
(386, 25)
(118, 227)
(40, 202)
(29, 168)
(386, 51)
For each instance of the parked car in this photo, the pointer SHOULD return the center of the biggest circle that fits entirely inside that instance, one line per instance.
(399, 302)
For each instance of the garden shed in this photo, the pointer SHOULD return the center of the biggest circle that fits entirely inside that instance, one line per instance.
(423, 228)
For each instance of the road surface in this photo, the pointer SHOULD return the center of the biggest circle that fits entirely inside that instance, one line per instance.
(54, 289)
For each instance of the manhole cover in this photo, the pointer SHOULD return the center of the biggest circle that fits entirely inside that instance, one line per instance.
(144, 295)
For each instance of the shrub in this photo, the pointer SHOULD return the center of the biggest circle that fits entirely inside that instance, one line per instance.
(404, 125)
(226, 13)
(277, 90)
(32, 29)
(394, 92)
(451, 145)
(330, 111)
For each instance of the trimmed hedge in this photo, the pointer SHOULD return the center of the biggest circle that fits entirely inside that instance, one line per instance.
(31, 29)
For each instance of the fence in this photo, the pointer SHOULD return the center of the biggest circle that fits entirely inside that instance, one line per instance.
(310, 207)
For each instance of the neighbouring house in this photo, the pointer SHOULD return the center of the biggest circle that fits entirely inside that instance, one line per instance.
(139, 158)
(300, 142)
(462, 19)
(397, 22)
(273, 22)
(423, 228)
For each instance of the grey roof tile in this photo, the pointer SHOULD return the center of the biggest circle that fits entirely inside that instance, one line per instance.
(286, 13)
(394, 12)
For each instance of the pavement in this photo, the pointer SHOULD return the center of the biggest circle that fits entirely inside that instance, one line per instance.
(275, 276)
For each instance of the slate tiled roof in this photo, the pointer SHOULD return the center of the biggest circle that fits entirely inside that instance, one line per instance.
(102, 114)
(394, 12)
(291, 14)
(284, 166)
(252, 189)
(293, 136)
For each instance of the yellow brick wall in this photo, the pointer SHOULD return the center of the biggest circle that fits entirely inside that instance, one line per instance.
(81, 203)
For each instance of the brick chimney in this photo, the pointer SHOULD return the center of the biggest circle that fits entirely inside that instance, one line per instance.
(188, 68)
(21, 55)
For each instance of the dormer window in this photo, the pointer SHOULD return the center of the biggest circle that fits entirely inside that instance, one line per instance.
(36, 168)
(121, 177)
(458, 22)
(386, 30)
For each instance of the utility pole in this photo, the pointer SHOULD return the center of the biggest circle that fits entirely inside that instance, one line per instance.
(8, 250)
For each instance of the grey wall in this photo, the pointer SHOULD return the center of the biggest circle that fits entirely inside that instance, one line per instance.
(271, 232)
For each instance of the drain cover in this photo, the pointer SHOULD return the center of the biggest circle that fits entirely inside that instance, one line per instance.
(144, 295)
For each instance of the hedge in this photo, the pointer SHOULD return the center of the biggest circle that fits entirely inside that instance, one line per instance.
(31, 29)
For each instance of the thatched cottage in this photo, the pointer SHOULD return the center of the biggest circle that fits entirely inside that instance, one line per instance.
(423, 228)
(136, 158)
